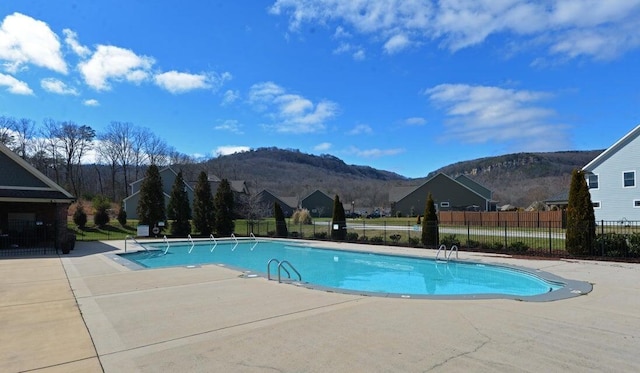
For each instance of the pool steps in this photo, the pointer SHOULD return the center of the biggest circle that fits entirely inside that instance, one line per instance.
(280, 268)
(444, 248)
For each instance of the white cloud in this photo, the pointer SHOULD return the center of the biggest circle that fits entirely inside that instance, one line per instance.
(71, 38)
(57, 86)
(24, 40)
(396, 44)
(374, 152)
(357, 52)
(415, 121)
(593, 28)
(482, 114)
(230, 125)
(230, 149)
(14, 85)
(322, 147)
(229, 97)
(91, 102)
(110, 63)
(177, 82)
(291, 113)
(361, 129)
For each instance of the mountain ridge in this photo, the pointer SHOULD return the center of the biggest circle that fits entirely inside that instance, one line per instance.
(518, 178)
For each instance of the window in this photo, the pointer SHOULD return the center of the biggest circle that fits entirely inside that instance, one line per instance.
(596, 205)
(629, 179)
(636, 203)
(592, 181)
(444, 204)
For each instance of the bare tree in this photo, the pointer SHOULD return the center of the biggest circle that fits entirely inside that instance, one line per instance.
(157, 150)
(25, 129)
(74, 141)
(7, 131)
(138, 144)
(120, 135)
(52, 145)
(109, 154)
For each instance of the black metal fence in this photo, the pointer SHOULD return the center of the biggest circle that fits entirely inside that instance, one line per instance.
(21, 237)
(613, 239)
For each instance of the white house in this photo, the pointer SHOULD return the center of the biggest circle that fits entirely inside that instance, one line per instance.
(613, 180)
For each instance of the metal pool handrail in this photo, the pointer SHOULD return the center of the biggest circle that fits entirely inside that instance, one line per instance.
(290, 266)
(236, 245)
(192, 244)
(134, 240)
(215, 243)
(269, 268)
(451, 252)
(167, 248)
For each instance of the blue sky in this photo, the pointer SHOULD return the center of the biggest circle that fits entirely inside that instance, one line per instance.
(401, 85)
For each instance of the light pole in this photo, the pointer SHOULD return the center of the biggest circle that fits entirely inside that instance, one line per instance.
(353, 209)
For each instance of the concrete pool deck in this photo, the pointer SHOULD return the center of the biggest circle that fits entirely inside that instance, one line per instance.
(212, 318)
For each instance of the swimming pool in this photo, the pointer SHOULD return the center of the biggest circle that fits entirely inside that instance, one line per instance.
(353, 271)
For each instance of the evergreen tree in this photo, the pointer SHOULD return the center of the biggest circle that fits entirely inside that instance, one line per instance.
(101, 204)
(223, 206)
(430, 224)
(338, 221)
(179, 209)
(150, 208)
(79, 216)
(581, 222)
(203, 213)
(122, 215)
(281, 224)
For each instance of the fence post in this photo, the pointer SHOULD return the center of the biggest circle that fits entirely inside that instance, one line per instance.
(550, 242)
(505, 235)
(385, 232)
(468, 233)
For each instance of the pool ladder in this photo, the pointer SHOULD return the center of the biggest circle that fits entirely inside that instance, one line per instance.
(281, 267)
(444, 248)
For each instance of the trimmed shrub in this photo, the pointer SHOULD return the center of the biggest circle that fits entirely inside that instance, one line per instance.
(79, 216)
(518, 247)
(376, 239)
(352, 236)
(450, 240)
(414, 241)
(580, 232)
(634, 244)
(492, 246)
(395, 238)
(122, 216)
(320, 235)
(301, 216)
(612, 244)
(101, 204)
(430, 224)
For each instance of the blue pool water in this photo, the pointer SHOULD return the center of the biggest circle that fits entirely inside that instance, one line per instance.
(350, 270)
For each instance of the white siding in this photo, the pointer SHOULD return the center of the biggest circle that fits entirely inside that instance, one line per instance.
(616, 201)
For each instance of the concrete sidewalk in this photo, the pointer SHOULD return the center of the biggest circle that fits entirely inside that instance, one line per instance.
(213, 319)
(41, 326)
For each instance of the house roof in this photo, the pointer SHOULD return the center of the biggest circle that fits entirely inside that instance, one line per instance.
(291, 202)
(626, 139)
(398, 193)
(479, 188)
(558, 198)
(21, 182)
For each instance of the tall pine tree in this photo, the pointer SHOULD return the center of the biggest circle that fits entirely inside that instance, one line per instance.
(150, 207)
(223, 206)
(338, 221)
(430, 224)
(581, 221)
(203, 213)
(179, 209)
